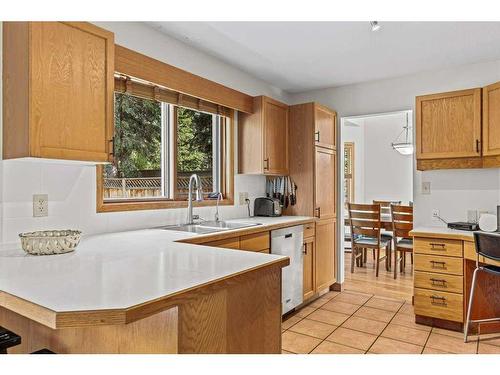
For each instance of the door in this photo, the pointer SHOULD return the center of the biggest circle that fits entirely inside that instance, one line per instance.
(325, 126)
(325, 253)
(275, 137)
(449, 125)
(72, 89)
(491, 120)
(308, 286)
(325, 183)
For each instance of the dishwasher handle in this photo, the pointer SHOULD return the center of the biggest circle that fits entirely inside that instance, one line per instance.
(288, 235)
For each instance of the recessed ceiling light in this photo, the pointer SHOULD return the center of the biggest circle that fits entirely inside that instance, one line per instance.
(375, 26)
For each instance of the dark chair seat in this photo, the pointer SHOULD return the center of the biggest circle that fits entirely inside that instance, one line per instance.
(8, 339)
(405, 243)
(386, 236)
(491, 269)
(370, 241)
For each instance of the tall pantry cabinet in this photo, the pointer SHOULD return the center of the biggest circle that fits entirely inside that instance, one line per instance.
(313, 167)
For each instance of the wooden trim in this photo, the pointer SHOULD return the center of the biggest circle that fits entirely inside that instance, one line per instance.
(140, 66)
(456, 163)
(165, 203)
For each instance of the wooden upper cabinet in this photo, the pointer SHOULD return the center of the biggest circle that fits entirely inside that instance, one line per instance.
(491, 120)
(325, 127)
(449, 125)
(263, 138)
(325, 183)
(58, 91)
(325, 253)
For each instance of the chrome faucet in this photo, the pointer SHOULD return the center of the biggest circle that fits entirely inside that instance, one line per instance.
(199, 196)
(219, 197)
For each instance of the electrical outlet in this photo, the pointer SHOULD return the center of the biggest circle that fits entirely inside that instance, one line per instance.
(426, 188)
(435, 214)
(243, 197)
(40, 205)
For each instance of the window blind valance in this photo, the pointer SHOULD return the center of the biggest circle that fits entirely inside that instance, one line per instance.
(146, 90)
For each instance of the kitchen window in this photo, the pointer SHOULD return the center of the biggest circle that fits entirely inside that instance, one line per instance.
(158, 145)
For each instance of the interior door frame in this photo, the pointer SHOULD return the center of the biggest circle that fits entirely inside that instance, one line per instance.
(340, 179)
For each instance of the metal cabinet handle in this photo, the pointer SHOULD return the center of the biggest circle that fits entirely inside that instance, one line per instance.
(318, 210)
(316, 134)
(112, 146)
(438, 246)
(435, 262)
(438, 300)
(266, 165)
(438, 282)
(304, 249)
(477, 145)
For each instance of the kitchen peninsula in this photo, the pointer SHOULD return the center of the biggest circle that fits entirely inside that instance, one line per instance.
(145, 292)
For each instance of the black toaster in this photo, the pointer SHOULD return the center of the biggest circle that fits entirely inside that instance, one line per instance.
(265, 206)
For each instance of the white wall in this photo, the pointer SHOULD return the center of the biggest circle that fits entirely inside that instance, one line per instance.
(388, 174)
(72, 188)
(452, 192)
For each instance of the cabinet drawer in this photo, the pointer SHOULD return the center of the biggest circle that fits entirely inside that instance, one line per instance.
(255, 242)
(439, 281)
(267, 251)
(309, 230)
(447, 265)
(441, 305)
(438, 246)
(228, 243)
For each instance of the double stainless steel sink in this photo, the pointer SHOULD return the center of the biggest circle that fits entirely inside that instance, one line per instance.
(206, 227)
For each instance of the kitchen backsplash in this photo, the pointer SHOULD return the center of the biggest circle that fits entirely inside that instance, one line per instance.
(72, 201)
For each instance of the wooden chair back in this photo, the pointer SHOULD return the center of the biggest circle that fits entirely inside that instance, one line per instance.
(402, 220)
(364, 220)
(386, 206)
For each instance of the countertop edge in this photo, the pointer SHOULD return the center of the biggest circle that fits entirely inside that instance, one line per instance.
(85, 318)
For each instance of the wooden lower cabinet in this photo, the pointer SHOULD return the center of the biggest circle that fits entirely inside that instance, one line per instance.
(325, 253)
(228, 243)
(309, 287)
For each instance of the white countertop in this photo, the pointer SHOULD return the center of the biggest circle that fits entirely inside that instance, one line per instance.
(460, 234)
(121, 270)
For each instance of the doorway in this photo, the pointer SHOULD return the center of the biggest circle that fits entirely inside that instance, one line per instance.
(372, 167)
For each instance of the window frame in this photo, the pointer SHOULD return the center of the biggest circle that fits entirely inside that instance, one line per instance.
(226, 174)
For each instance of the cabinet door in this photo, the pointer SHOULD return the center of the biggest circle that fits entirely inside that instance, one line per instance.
(275, 137)
(309, 281)
(491, 119)
(325, 183)
(449, 125)
(325, 253)
(72, 67)
(325, 127)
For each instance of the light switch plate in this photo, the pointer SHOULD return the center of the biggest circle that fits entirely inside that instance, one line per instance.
(40, 205)
(426, 188)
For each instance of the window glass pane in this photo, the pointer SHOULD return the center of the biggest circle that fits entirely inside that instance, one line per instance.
(196, 132)
(136, 170)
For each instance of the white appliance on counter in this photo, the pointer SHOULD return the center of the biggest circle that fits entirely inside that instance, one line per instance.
(290, 242)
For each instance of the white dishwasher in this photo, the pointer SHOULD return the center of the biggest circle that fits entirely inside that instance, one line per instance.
(290, 242)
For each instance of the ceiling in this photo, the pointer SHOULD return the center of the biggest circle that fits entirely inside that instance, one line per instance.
(301, 56)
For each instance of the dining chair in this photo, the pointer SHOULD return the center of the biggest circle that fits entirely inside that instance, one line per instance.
(364, 220)
(487, 246)
(386, 211)
(402, 224)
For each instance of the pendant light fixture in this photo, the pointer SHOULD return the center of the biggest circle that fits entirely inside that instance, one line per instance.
(404, 146)
(375, 25)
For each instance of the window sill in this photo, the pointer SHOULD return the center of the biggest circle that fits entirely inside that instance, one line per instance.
(138, 205)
